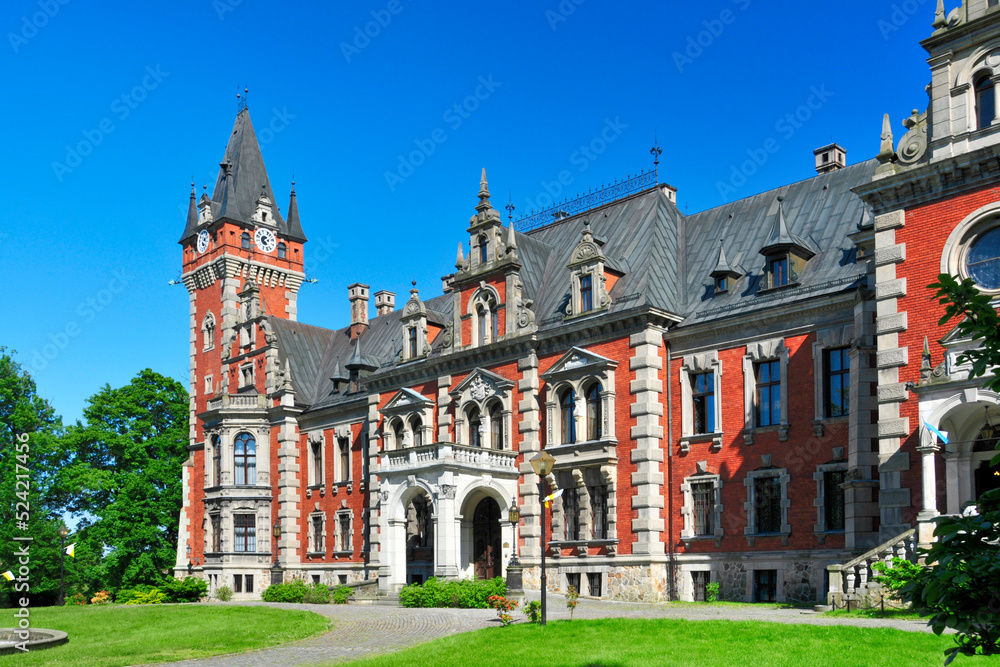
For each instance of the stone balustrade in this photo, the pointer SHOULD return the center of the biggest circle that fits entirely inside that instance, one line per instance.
(428, 455)
(853, 581)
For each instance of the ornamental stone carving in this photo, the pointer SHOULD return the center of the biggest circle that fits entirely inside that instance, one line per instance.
(481, 388)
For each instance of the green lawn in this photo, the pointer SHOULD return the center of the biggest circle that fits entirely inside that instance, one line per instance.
(111, 636)
(621, 642)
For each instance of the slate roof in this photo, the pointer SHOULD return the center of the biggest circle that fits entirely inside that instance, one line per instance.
(242, 181)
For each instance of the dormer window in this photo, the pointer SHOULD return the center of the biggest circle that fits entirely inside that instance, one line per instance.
(985, 101)
(777, 272)
(721, 285)
(355, 382)
(586, 293)
(723, 275)
(412, 341)
(245, 241)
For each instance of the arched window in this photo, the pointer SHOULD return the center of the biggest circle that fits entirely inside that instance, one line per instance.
(245, 241)
(208, 331)
(475, 427)
(594, 411)
(567, 415)
(983, 260)
(986, 108)
(216, 461)
(397, 433)
(245, 457)
(483, 324)
(417, 426)
(484, 249)
(496, 426)
(282, 251)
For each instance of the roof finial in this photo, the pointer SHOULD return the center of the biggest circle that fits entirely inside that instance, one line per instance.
(241, 100)
(460, 260)
(656, 152)
(939, 18)
(510, 207)
(886, 151)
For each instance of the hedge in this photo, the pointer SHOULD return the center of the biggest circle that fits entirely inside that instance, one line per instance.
(464, 594)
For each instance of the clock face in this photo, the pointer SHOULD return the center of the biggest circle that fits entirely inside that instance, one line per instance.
(202, 241)
(264, 238)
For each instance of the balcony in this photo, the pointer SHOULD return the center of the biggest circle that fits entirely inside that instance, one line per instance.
(450, 456)
(238, 402)
(583, 454)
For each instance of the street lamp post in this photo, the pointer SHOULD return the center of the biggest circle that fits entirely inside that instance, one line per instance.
(542, 465)
(276, 574)
(63, 532)
(515, 581)
(190, 564)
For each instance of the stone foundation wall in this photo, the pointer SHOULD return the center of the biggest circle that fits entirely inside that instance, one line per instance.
(800, 581)
(733, 582)
(638, 583)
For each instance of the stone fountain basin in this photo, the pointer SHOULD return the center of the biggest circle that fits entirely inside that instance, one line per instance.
(38, 638)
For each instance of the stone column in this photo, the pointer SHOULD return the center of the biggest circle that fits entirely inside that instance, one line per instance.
(531, 443)
(925, 528)
(647, 409)
(446, 538)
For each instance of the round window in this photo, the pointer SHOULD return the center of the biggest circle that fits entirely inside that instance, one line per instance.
(983, 260)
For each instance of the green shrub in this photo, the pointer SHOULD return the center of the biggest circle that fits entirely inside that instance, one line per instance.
(126, 595)
(292, 591)
(224, 594)
(79, 598)
(318, 594)
(154, 596)
(188, 589)
(533, 610)
(712, 591)
(341, 594)
(464, 594)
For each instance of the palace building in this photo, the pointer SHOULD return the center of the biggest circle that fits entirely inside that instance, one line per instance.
(741, 395)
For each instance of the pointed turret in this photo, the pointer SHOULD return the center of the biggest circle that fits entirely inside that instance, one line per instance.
(781, 239)
(358, 360)
(485, 211)
(294, 227)
(192, 217)
(511, 240)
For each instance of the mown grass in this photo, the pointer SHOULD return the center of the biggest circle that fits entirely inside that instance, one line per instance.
(655, 643)
(901, 614)
(119, 635)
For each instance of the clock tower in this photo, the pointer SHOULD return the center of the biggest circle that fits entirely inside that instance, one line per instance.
(242, 264)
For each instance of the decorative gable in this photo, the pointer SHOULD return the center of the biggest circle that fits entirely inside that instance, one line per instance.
(406, 401)
(578, 361)
(414, 323)
(589, 292)
(482, 384)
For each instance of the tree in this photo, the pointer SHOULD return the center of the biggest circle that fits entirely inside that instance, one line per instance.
(30, 457)
(960, 587)
(124, 477)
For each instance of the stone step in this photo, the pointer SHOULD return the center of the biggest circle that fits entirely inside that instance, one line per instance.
(823, 608)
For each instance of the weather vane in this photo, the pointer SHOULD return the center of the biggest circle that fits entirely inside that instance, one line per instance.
(656, 152)
(510, 208)
(241, 100)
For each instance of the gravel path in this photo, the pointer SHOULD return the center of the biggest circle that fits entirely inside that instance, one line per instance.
(363, 630)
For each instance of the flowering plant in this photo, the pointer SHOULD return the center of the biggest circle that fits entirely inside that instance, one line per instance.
(572, 599)
(503, 607)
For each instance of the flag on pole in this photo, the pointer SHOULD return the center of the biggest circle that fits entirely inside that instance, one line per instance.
(942, 435)
(70, 549)
(8, 575)
(549, 498)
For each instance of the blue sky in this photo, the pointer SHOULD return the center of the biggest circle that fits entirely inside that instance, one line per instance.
(111, 109)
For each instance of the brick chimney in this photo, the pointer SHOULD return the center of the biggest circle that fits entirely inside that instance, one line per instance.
(830, 158)
(385, 302)
(358, 296)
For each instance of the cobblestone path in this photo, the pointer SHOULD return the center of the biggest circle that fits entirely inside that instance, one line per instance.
(362, 630)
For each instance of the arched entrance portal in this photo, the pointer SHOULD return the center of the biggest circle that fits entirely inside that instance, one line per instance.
(486, 538)
(987, 477)
(419, 540)
(973, 429)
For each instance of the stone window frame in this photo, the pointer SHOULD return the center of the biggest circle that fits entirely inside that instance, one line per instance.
(401, 408)
(339, 535)
(209, 387)
(696, 364)
(964, 91)
(956, 249)
(481, 389)
(577, 369)
(312, 441)
(215, 532)
(341, 476)
(820, 502)
(487, 297)
(830, 339)
(256, 520)
(213, 454)
(701, 476)
(311, 535)
(581, 480)
(588, 260)
(750, 506)
(757, 352)
(208, 330)
(246, 375)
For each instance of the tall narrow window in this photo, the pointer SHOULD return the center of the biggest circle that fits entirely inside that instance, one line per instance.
(475, 427)
(703, 402)
(244, 532)
(345, 531)
(216, 533)
(571, 514)
(986, 110)
(417, 426)
(345, 458)
(245, 241)
(594, 415)
(237, 583)
(837, 383)
(494, 325)
(484, 325)
(703, 494)
(699, 581)
(397, 433)
(282, 251)
(599, 511)
(412, 341)
(318, 534)
(778, 269)
(586, 294)
(567, 415)
(484, 249)
(767, 504)
(496, 427)
(317, 458)
(765, 585)
(217, 460)
(768, 392)
(248, 583)
(245, 459)
(833, 499)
